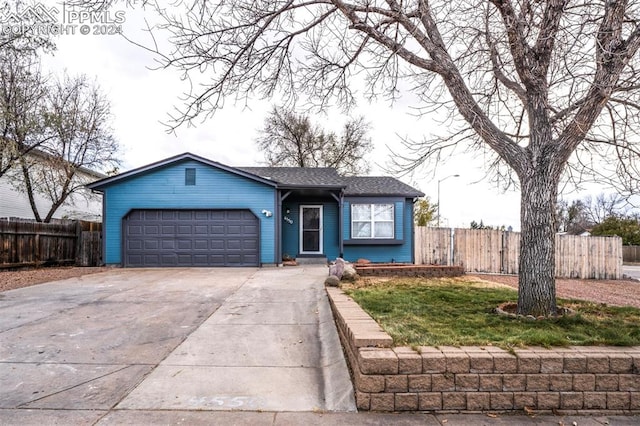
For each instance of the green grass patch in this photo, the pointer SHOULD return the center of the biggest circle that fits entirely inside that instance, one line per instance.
(459, 312)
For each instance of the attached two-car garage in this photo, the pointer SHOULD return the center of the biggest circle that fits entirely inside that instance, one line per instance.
(156, 238)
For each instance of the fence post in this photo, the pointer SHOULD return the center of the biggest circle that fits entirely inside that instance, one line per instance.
(451, 242)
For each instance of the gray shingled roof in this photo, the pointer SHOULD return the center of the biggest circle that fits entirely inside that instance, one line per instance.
(299, 176)
(326, 176)
(378, 185)
(283, 177)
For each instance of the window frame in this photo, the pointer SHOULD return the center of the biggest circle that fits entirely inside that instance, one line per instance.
(372, 221)
(190, 176)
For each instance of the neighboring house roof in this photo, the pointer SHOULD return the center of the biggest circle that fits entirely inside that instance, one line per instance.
(87, 171)
(290, 177)
(82, 205)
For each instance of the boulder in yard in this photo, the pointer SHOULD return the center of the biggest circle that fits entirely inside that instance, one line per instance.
(332, 281)
(337, 268)
(349, 273)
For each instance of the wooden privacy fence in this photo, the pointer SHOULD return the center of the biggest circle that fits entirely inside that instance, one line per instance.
(29, 243)
(631, 254)
(497, 252)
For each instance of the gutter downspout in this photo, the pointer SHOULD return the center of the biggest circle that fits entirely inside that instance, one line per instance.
(413, 232)
(340, 200)
(278, 239)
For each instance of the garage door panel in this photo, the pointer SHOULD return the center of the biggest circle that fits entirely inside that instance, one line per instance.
(235, 215)
(184, 229)
(169, 259)
(234, 230)
(151, 230)
(135, 230)
(250, 244)
(152, 215)
(201, 215)
(217, 244)
(201, 229)
(191, 238)
(135, 244)
(151, 259)
(200, 259)
(151, 244)
(168, 244)
(201, 244)
(217, 229)
(184, 244)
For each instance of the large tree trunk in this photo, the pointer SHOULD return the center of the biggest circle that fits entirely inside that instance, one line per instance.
(28, 187)
(537, 289)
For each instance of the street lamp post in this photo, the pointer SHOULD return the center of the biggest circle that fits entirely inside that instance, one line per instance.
(443, 179)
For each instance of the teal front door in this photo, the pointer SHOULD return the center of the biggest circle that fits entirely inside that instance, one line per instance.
(310, 229)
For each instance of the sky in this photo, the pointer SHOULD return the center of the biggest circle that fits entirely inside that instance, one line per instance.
(143, 97)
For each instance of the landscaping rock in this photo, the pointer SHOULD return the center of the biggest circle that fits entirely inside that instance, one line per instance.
(349, 273)
(332, 281)
(337, 268)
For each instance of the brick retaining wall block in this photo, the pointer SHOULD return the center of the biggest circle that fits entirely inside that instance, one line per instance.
(573, 380)
(408, 270)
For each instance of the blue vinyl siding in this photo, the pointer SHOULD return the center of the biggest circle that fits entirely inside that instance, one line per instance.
(165, 188)
(383, 253)
(291, 232)
(331, 230)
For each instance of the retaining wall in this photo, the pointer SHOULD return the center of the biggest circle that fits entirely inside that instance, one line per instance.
(480, 379)
(426, 271)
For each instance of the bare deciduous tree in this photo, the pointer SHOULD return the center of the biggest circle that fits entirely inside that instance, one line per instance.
(22, 94)
(77, 117)
(290, 139)
(547, 87)
(23, 36)
(582, 215)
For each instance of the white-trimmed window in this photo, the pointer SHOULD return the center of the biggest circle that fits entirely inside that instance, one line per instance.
(372, 221)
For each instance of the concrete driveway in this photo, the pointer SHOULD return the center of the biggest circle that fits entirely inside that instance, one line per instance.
(170, 339)
(632, 271)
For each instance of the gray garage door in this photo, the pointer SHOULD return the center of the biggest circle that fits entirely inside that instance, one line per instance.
(155, 238)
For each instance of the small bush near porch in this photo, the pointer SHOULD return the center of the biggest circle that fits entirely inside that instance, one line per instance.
(460, 312)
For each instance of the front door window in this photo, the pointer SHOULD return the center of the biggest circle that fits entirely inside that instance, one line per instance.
(311, 229)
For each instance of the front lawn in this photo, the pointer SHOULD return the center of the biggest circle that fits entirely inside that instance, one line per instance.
(459, 312)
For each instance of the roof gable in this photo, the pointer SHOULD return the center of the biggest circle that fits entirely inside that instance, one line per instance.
(103, 183)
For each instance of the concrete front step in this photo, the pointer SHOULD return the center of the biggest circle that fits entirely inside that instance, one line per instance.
(312, 260)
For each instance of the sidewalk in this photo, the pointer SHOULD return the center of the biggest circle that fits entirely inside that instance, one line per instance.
(175, 417)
